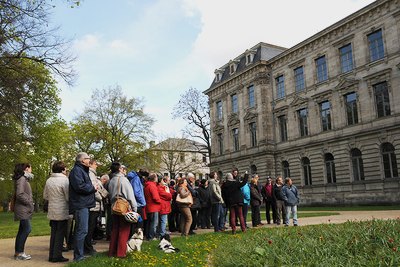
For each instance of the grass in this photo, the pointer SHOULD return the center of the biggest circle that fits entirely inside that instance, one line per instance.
(350, 208)
(9, 227)
(370, 243)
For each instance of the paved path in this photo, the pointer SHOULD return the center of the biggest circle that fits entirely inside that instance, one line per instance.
(38, 246)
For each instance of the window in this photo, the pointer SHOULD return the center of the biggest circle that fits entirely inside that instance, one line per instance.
(235, 135)
(375, 43)
(283, 127)
(219, 110)
(182, 157)
(250, 91)
(200, 176)
(204, 158)
(253, 134)
(280, 87)
(303, 113)
(357, 164)
(322, 71)
(326, 115)
(389, 161)
(220, 143)
(218, 77)
(194, 157)
(285, 169)
(382, 99)
(249, 59)
(234, 100)
(351, 108)
(232, 69)
(299, 79)
(330, 168)
(346, 58)
(305, 163)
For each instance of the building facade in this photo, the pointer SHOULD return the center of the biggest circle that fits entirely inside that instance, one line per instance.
(179, 156)
(323, 112)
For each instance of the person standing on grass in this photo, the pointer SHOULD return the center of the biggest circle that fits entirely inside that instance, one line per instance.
(184, 208)
(280, 203)
(290, 195)
(246, 201)
(56, 192)
(255, 202)
(217, 210)
(81, 199)
(119, 186)
(153, 205)
(23, 207)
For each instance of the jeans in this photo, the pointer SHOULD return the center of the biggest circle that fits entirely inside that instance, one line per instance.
(163, 224)
(88, 247)
(81, 230)
(217, 217)
(245, 210)
(152, 222)
(293, 210)
(23, 232)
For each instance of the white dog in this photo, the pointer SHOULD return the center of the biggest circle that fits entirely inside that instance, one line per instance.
(166, 246)
(135, 242)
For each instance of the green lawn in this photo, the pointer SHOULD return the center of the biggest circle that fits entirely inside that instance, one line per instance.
(9, 228)
(369, 243)
(349, 208)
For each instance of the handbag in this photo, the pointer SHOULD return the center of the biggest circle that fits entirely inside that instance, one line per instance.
(121, 205)
(185, 200)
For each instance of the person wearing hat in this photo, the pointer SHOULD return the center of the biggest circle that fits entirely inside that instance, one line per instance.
(81, 199)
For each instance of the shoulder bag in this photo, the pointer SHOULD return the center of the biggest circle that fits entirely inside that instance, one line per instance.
(121, 205)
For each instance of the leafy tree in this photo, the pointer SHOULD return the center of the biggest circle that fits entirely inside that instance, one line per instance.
(194, 109)
(112, 126)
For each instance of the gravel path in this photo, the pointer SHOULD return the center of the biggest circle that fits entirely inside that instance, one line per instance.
(38, 246)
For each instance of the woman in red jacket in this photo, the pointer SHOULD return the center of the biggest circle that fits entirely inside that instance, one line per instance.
(165, 196)
(153, 205)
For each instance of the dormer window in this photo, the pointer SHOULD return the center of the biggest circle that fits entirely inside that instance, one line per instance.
(250, 56)
(218, 74)
(233, 66)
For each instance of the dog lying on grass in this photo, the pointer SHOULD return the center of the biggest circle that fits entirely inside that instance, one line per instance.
(135, 242)
(166, 246)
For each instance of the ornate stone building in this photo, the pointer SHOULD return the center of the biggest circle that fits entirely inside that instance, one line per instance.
(324, 112)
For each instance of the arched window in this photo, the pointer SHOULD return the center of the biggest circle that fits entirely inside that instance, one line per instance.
(357, 164)
(305, 163)
(253, 169)
(330, 168)
(389, 160)
(285, 169)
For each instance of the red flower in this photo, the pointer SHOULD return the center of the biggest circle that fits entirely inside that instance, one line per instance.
(391, 240)
(270, 242)
(394, 249)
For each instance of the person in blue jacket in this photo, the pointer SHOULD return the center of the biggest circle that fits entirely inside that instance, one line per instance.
(291, 197)
(246, 201)
(81, 199)
(137, 186)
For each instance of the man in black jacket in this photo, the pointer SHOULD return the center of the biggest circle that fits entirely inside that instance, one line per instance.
(280, 203)
(81, 199)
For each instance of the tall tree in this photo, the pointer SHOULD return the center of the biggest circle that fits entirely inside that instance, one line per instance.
(194, 109)
(112, 126)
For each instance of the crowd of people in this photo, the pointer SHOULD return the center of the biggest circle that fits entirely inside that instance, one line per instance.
(80, 205)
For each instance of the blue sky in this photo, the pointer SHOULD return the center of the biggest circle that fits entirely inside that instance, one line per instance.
(157, 49)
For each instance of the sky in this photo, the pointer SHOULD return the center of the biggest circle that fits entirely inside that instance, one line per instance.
(157, 49)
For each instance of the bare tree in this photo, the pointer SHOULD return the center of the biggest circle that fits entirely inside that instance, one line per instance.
(25, 34)
(180, 155)
(193, 108)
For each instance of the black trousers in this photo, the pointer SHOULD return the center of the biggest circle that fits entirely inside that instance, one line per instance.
(270, 205)
(255, 215)
(58, 232)
(88, 247)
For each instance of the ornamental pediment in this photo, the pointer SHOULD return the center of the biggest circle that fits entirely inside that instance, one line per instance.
(218, 127)
(298, 100)
(233, 119)
(346, 83)
(250, 115)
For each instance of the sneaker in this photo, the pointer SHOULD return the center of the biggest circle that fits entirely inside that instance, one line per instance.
(22, 257)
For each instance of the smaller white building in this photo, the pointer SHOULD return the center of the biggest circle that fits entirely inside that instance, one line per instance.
(179, 156)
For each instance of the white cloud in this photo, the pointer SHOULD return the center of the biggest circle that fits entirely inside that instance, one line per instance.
(87, 43)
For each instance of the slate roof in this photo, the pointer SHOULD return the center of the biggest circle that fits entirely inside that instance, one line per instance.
(264, 52)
